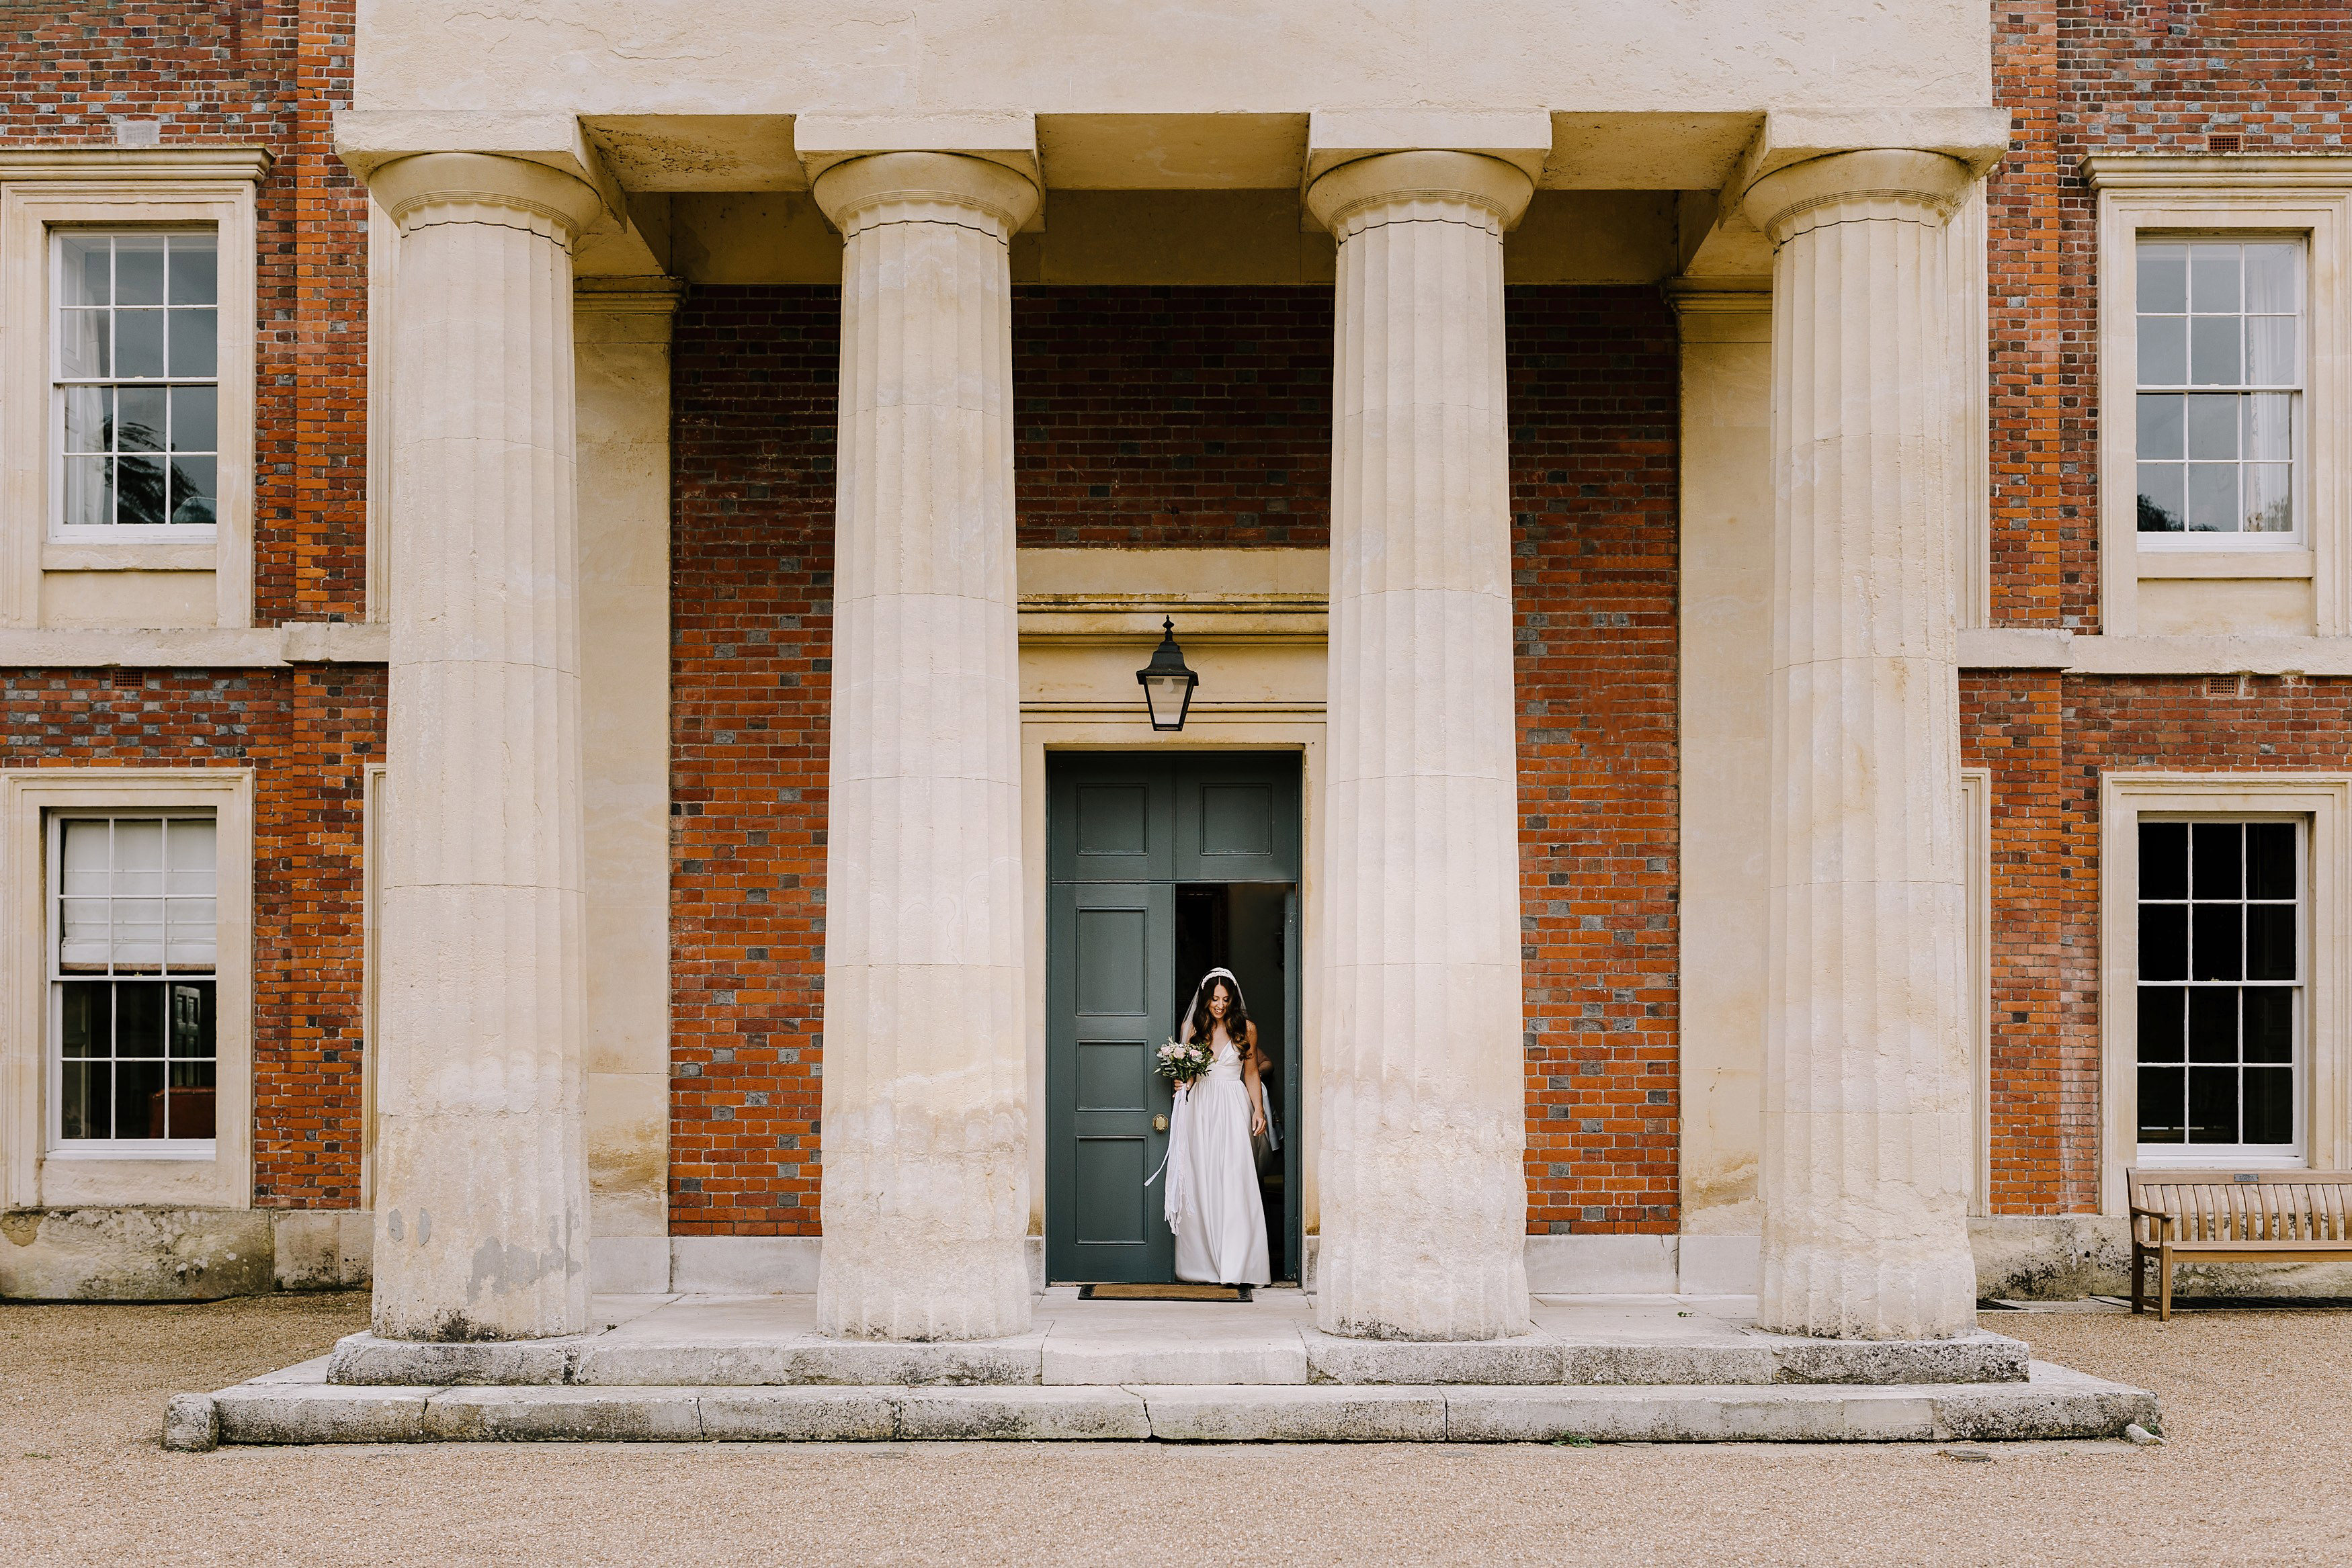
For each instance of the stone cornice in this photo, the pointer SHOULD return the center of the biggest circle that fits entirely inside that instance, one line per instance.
(245, 163)
(2075, 653)
(2228, 170)
(204, 648)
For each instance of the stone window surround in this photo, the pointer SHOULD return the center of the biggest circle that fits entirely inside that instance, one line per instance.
(2307, 196)
(31, 1174)
(43, 189)
(2323, 800)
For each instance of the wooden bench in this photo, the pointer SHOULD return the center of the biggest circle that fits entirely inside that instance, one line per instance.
(2234, 1217)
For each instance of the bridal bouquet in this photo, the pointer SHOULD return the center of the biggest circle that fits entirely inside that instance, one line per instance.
(1181, 1063)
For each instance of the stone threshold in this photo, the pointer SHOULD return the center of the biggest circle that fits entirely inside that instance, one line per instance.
(298, 1408)
(1584, 1342)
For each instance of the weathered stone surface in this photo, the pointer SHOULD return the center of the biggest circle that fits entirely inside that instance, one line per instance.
(1279, 1359)
(1423, 1090)
(134, 1254)
(1527, 1358)
(565, 1415)
(801, 1414)
(2058, 1402)
(1979, 1357)
(1023, 1413)
(192, 1424)
(807, 1360)
(368, 1359)
(320, 1413)
(1660, 1365)
(1302, 1414)
(322, 1249)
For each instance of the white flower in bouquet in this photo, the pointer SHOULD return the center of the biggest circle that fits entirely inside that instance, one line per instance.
(1182, 1062)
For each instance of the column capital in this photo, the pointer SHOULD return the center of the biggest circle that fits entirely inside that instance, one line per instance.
(857, 193)
(1342, 197)
(1934, 180)
(410, 186)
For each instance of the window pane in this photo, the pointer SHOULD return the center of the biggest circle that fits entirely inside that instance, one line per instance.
(195, 419)
(86, 866)
(88, 1023)
(85, 344)
(138, 855)
(2163, 942)
(191, 1019)
(2213, 350)
(196, 343)
(2164, 278)
(2270, 859)
(2163, 351)
(88, 500)
(2270, 504)
(2162, 1019)
(2270, 426)
(2271, 356)
(188, 1111)
(2212, 1023)
(2161, 1091)
(84, 263)
(138, 1099)
(138, 269)
(193, 487)
(2214, 278)
(2269, 942)
(2269, 1028)
(139, 419)
(2213, 426)
(2212, 1105)
(138, 1018)
(2216, 951)
(2271, 279)
(139, 484)
(2162, 508)
(88, 1091)
(2159, 426)
(195, 270)
(138, 343)
(2212, 498)
(2215, 873)
(2164, 860)
(193, 926)
(2270, 1105)
(87, 418)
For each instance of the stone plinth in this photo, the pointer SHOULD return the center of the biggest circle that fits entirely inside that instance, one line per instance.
(1423, 1192)
(926, 1206)
(482, 1196)
(1865, 1076)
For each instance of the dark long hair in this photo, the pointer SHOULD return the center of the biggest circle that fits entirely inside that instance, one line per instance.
(1236, 1016)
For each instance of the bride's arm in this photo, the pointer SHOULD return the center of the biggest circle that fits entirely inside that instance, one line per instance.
(1257, 1089)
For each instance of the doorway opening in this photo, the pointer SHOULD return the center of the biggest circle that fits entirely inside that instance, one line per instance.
(1162, 865)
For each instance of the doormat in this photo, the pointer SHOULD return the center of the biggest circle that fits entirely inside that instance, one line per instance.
(1163, 1292)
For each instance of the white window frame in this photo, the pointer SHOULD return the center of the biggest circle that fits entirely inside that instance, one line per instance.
(2321, 801)
(2302, 197)
(164, 188)
(36, 1169)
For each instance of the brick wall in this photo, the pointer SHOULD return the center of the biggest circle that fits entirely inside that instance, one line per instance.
(306, 733)
(2080, 77)
(1594, 416)
(1199, 417)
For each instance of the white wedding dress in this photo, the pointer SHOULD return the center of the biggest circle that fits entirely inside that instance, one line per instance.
(1220, 1221)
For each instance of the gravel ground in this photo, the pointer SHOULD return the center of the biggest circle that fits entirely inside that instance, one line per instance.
(2258, 1406)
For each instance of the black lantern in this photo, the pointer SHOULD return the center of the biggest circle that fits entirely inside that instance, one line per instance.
(1167, 683)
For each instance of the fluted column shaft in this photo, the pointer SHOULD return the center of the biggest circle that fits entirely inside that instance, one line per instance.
(1423, 1188)
(482, 1193)
(1865, 1230)
(925, 1199)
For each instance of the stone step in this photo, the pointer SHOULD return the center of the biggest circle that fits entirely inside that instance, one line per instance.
(1279, 1353)
(2054, 1403)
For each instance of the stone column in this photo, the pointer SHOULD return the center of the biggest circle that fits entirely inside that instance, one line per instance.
(1424, 1186)
(926, 1119)
(482, 1191)
(1865, 1084)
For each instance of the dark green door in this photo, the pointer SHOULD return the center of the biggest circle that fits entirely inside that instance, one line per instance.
(1124, 831)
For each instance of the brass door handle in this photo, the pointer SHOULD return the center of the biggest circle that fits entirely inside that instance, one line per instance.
(1159, 1123)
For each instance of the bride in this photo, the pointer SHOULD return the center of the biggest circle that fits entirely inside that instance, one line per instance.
(1213, 1202)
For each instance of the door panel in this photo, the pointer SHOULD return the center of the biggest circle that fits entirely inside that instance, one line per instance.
(1237, 816)
(1110, 997)
(1107, 818)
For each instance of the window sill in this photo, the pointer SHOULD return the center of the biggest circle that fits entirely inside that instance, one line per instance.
(2206, 561)
(193, 556)
(189, 1151)
(2162, 1158)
